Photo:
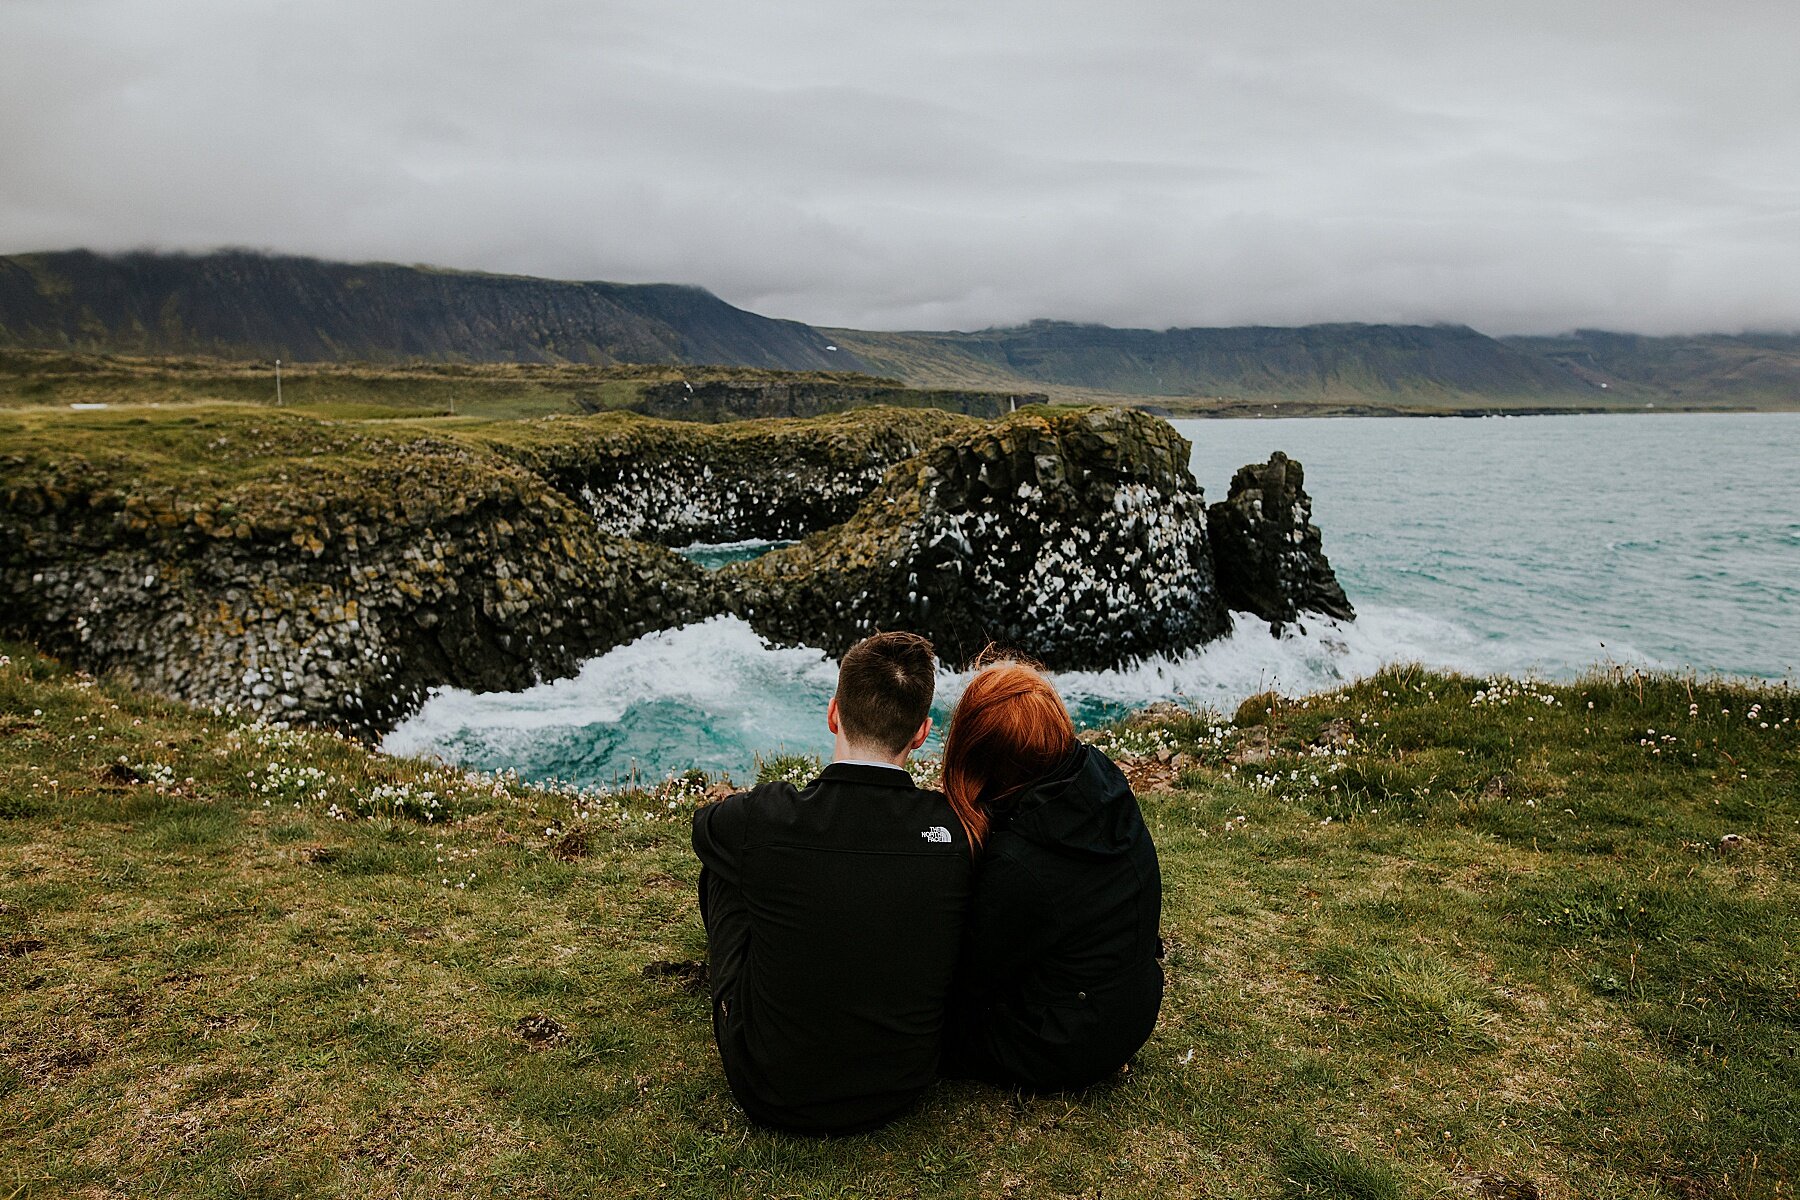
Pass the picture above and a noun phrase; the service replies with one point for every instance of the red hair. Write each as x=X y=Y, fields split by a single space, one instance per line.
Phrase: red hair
x=1009 y=730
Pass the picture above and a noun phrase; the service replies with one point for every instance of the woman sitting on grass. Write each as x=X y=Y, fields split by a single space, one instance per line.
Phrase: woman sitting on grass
x=1059 y=982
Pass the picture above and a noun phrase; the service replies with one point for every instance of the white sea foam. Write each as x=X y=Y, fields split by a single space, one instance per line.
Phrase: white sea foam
x=715 y=694
x=1316 y=655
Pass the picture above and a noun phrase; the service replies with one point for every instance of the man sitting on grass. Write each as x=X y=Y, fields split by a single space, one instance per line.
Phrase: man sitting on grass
x=834 y=913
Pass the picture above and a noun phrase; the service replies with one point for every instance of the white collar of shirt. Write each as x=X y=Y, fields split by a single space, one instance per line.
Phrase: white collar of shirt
x=869 y=762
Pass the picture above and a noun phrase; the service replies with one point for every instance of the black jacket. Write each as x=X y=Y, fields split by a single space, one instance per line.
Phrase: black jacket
x=856 y=889
x=1059 y=982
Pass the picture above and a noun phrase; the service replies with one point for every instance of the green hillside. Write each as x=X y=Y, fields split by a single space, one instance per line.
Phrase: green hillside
x=1761 y=369
x=1350 y=368
x=1427 y=936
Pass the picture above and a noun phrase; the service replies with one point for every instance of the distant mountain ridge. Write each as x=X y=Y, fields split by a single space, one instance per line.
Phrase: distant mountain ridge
x=1398 y=362
x=241 y=305
x=236 y=304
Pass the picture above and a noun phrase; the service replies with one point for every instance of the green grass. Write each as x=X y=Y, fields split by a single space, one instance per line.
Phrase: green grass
x=1312 y=1168
x=355 y=391
x=236 y=470
x=1451 y=937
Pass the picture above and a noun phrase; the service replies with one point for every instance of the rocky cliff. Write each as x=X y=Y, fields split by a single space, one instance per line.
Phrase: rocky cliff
x=302 y=569
x=737 y=400
x=335 y=571
x=675 y=483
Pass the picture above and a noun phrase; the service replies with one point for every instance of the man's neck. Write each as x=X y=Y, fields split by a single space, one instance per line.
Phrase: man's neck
x=844 y=752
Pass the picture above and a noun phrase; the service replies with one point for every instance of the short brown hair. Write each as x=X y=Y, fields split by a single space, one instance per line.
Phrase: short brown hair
x=885 y=685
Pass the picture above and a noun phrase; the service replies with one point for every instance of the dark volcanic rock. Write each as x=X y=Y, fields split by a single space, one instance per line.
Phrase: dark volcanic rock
x=1268 y=550
x=1076 y=537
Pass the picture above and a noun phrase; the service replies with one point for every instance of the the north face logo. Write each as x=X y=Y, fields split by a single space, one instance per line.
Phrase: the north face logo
x=937 y=833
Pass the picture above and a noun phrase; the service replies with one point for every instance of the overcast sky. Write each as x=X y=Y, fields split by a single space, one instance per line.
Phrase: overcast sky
x=1526 y=166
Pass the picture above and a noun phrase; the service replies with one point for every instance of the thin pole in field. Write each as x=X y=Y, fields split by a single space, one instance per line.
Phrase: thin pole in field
x=278 y=383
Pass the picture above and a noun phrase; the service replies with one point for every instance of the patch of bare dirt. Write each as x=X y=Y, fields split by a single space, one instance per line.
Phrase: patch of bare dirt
x=690 y=976
x=1494 y=1186
x=118 y=775
x=573 y=844
x=44 y=1056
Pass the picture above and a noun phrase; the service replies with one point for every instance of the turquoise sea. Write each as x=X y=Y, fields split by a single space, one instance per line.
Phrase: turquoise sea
x=1528 y=545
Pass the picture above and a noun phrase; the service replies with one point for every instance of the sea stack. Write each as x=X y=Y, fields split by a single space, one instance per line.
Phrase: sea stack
x=1270 y=558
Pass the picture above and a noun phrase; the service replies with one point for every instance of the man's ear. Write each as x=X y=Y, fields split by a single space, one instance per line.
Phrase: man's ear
x=831 y=716
x=919 y=737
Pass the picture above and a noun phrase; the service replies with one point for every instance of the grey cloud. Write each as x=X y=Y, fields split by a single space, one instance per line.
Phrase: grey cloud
x=1525 y=167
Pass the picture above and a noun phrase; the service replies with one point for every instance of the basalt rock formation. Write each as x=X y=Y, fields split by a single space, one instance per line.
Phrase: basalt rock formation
x=1076 y=537
x=335 y=572
x=1269 y=553
x=298 y=570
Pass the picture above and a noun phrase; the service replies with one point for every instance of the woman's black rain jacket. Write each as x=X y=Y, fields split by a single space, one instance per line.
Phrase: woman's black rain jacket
x=1060 y=981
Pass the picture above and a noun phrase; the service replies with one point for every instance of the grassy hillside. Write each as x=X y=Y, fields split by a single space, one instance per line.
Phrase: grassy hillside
x=1349 y=369
x=1428 y=936
x=1761 y=369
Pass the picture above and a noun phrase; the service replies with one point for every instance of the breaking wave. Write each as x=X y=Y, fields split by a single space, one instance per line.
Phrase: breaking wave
x=714 y=695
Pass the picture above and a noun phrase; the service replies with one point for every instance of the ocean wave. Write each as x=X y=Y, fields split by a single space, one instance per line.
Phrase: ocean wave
x=718 y=674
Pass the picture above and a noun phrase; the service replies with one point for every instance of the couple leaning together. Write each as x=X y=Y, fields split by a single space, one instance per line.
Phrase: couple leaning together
x=867 y=935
